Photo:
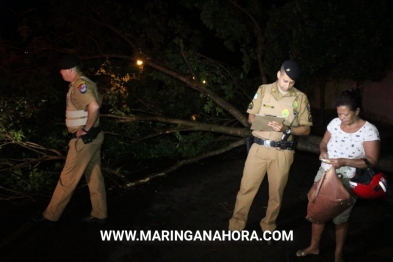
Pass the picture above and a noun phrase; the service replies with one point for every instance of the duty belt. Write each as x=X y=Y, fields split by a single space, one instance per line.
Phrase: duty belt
x=94 y=131
x=271 y=143
x=264 y=142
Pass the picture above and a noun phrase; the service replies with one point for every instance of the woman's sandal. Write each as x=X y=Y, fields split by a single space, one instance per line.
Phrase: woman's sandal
x=303 y=253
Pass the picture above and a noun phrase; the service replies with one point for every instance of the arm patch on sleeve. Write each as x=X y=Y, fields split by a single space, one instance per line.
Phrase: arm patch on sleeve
x=309 y=118
x=82 y=88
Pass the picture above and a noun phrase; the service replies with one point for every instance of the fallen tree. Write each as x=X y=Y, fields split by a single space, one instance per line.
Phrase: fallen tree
x=170 y=86
x=308 y=143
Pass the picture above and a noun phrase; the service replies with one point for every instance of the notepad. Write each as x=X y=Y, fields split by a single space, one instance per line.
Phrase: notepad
x=261 y=121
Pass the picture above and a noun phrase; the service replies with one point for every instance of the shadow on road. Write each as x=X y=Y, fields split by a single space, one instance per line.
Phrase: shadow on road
x=194 y=198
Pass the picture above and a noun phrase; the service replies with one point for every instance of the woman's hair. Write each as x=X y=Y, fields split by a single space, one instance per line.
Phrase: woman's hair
x=350 y=98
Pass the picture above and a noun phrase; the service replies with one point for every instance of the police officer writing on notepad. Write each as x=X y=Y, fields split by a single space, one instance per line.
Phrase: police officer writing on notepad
x=82 y=121
x=272 y=150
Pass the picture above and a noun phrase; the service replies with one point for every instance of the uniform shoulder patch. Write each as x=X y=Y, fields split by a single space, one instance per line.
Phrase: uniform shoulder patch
x=82 y=88
x=309 y=118
x=308 y=106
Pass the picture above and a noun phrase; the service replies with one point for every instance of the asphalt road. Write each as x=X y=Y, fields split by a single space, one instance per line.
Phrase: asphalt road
x=196 y=198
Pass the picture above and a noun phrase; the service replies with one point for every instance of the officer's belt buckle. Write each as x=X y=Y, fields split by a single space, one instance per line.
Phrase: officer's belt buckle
x=268 y=143
x=265 y=142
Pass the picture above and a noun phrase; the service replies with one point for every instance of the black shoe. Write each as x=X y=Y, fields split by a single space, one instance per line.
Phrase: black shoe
x=270 y=242
x=41 y=220
x=91 y=219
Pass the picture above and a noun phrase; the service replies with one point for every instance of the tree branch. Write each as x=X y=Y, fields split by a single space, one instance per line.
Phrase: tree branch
x=260 y=47
x=185 y=162
x=234 y=131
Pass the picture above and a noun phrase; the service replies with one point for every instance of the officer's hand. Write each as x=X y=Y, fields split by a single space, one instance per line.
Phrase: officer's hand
x=80 y=132
x=278 y=127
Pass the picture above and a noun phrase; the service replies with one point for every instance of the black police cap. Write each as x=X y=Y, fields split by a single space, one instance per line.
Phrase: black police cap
x=292 y=69
x=69 y=61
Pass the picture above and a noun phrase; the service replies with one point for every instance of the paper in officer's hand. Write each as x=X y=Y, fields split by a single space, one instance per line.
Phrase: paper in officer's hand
x=261 y=122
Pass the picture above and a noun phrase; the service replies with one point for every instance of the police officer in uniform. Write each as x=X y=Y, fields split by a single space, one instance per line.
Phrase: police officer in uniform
x=272 y=151
x=82 y=121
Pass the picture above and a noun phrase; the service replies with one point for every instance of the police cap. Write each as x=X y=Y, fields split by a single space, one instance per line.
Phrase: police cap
x=292 y=69
x=69 y=61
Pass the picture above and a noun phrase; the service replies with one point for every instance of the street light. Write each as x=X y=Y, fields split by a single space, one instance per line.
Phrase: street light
x=140 y=65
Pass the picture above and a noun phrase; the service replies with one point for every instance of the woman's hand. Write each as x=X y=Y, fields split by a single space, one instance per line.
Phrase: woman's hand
x=323 y=155
x=338 y=162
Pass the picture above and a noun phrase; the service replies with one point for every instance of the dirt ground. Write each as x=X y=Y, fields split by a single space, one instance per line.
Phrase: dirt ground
x=196 y=197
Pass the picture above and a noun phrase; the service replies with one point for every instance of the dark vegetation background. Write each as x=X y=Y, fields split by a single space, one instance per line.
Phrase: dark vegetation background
x=203 y=60
x=202 y=63
x=174 y=145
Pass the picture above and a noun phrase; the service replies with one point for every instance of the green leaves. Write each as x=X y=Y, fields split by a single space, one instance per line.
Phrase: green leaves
x=36 y=180
x=203 y=61
x=193 y=144
x=17 y=136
